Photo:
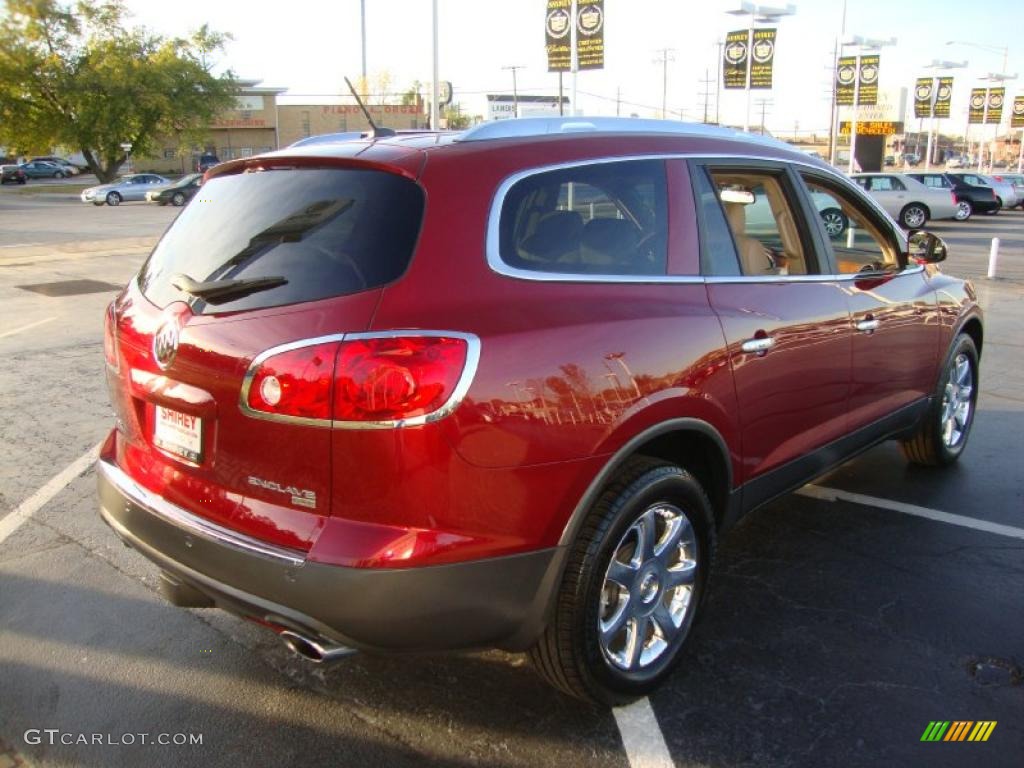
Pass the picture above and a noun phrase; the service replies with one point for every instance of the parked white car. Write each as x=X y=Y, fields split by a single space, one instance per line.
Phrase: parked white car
x=908 y=201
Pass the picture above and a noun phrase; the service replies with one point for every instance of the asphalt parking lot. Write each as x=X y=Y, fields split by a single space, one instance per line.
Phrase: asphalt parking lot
x=838 y=627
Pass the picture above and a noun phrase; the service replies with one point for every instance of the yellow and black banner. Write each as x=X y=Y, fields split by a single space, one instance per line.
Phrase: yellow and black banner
x=976 y=110
x=996 y=97
x=762 y=55
x=872 y=127
x=1017 y=116
x=924 y=90
x=846 y=80
x=590 y=35
x=943 y=97
x=558 y=35
x=868 y=93
x=734 y=59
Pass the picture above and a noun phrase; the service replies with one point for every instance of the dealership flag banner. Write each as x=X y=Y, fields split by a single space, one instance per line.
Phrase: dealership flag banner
x=557 y=35
x=996 y=96
x=868 y=93
x=923 y=97
x=590 y=35
x=734 y=59
x=943 y=97
x=762 y=54
x=976 y=113
x=846 y=78
x=1017 y=116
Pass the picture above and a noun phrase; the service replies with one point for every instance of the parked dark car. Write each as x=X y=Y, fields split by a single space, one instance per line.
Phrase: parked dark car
x=522 y=415
x=179 y=193
x=13 y=174
x=44 y=169
x=206 y=162
x=970 y=198
x=70 y=168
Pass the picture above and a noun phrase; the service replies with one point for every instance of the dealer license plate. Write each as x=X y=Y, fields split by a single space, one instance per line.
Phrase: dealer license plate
x=179 y=433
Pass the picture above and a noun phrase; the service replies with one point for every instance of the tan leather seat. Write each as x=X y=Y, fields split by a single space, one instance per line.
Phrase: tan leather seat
x=753 y=256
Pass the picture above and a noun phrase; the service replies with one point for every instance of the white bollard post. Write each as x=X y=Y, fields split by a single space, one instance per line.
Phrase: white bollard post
x=993 y=257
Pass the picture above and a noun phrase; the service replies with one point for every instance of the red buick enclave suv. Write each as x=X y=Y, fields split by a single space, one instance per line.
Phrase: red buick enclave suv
x=505 y=388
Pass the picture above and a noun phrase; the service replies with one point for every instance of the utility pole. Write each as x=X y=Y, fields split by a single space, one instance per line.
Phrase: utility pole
x=666 y=55
x=515 y=88
x=718 y=83
x=435 y=118
x=618 y=101
x=362 y=25
x=705 y=92
x=764 y=103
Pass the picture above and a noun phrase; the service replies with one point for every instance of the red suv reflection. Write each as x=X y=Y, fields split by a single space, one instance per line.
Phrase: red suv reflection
x=506 y=387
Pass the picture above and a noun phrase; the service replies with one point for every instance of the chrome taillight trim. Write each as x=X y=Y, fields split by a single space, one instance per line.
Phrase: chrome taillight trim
x=446 y=409
x=186 y=521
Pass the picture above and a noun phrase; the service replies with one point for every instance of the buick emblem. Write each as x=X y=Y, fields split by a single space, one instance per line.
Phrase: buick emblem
x=165 y=342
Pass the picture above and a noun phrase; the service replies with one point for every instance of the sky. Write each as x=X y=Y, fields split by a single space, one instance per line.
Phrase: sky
x=307 y=46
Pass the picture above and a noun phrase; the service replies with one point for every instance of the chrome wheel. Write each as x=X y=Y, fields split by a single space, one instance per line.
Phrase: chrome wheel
x=648 y=588
x=914 y=217
x=835 y=222
x=963 y=211
x=957 y=401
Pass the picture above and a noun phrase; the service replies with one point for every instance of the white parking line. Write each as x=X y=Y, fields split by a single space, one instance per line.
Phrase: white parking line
x=641 y=736
x=20 y=245
x=14 y=331
x=834 y=494
x=33 y=503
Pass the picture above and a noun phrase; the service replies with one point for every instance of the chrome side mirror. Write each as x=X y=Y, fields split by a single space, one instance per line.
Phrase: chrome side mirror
x=926 y=248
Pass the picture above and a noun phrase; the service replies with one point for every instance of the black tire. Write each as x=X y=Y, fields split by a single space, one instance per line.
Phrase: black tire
x=914 y=216
x=59 y=175
x=98 y=203
x=835 y=221
x=113 y=198
x=929 y=446
x=569 y=654
x=964 y=210
x=178 y=199
x=22 y=181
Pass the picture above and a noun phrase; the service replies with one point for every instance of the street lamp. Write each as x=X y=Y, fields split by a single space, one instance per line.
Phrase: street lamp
x=865 y=45
x=940 y=65
x=760 y=14
x=1005 y=50
x=515 y=89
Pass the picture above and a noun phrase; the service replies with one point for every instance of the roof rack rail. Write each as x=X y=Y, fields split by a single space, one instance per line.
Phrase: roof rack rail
x=524 y=127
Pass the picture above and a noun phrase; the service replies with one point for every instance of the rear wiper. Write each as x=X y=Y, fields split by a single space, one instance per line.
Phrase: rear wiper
x=215 y=291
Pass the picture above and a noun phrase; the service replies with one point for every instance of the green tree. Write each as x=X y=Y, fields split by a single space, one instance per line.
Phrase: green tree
x=78 y=76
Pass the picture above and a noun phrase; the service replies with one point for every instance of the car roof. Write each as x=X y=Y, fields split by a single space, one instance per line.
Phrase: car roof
x=583 y=137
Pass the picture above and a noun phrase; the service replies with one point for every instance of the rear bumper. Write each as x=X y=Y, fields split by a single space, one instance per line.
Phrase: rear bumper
x=497 y=602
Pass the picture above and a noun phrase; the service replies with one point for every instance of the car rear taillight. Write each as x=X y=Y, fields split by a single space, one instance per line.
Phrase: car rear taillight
x=110 y=337
x=396 y=377
x=952 y=196
x=294 y=383
x=392 y=379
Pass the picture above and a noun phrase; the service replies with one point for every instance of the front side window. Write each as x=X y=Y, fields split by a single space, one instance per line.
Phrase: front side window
x=762 y=223
x=604 y=218
x=858 y=242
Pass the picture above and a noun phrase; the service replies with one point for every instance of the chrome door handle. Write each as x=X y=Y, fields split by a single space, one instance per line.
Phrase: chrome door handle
x=760 y=345
x=867 y=326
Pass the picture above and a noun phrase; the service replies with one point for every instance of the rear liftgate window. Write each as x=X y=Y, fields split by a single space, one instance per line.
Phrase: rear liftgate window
x=272 y=237
x=605 y=219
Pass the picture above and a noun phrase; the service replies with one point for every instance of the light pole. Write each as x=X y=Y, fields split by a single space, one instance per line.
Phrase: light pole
x=990 y=48
x=864 y=45
x=435 y=88
x=515 y=88
x=996 y=77
x=940 y=66
x=760 y=14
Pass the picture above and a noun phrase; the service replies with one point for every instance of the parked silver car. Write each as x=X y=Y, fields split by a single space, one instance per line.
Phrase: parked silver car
x=1017 y=180
x=908 y=201
x=131 y=187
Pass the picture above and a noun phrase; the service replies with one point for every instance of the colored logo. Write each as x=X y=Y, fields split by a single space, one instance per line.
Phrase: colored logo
x=958 y=730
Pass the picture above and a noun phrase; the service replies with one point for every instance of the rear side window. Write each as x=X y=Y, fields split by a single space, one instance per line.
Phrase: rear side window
x=605 y=218
x=327 y=232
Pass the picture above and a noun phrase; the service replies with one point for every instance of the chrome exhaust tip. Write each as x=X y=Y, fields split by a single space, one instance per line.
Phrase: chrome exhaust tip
x=317 y=651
